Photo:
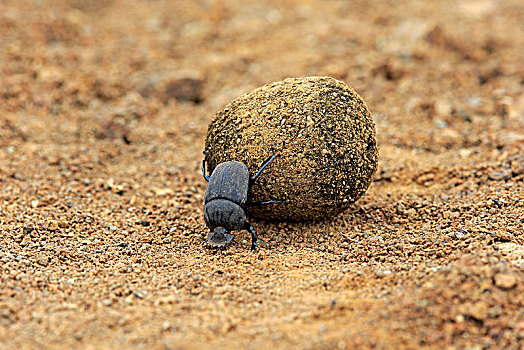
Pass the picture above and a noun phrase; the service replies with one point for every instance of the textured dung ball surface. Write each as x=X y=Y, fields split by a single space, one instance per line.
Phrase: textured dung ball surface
x=324 y=138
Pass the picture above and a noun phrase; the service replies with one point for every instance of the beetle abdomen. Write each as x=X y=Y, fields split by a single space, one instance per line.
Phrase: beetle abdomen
x=224 y=213
x=229 y=180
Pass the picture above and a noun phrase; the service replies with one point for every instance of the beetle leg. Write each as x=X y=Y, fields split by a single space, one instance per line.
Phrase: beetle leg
x=254 y=238
x=203 y=167
x=255 y=204
x=269 y=160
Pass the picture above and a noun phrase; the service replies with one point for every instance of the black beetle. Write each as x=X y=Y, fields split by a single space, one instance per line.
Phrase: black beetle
x=226 y=195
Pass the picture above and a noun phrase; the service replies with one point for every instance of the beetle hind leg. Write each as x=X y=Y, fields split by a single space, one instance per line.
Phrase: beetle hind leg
x=256 y=204
x=254 y=237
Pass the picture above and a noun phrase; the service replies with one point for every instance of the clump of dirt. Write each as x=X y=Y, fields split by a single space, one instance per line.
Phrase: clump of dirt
x=322 y=133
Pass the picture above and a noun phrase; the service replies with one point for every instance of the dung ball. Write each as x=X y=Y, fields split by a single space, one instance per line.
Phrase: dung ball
x=322 y=134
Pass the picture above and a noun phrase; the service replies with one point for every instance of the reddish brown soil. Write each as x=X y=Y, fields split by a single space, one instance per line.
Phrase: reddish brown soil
x=104 y=106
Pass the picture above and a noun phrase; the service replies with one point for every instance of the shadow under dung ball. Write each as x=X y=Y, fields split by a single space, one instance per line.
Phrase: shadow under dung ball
x=324 y=138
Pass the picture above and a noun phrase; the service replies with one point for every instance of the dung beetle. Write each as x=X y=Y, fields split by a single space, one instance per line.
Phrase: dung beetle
x=225 y=198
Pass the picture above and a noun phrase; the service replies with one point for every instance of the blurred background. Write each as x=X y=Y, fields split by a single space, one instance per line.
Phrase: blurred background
x=423 y=67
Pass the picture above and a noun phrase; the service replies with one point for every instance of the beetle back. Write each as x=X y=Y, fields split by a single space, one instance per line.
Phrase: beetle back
x=229 y=180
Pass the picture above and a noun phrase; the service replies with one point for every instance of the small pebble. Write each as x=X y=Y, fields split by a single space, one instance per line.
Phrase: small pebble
x=505 y=280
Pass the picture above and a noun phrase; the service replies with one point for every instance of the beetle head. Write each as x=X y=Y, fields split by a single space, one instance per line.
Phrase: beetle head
x=219 y=237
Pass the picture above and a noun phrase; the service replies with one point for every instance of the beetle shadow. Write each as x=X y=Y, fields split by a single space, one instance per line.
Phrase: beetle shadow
x=319 y=235
x=314 y=234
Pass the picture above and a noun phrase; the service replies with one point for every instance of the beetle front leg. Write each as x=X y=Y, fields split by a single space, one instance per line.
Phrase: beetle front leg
x=254 y=237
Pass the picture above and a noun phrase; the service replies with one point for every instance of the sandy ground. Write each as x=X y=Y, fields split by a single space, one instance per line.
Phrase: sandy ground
x=104 y=107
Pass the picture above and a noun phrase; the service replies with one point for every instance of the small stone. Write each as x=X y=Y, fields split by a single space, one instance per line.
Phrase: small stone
x=180 y=85
x=107 y=302
x=500 y=175
x=52 y=226
x=118 y=189
x=505 y=280
x=478 y=310
x=460 y=233
x=441 y=124
x=162 y=191
x=54 y=161
x=477 y=8
x=111 y=130
x=185 y=89
x=43 y=260
x=517 y=168
x=411 y=212
x=196 y=290
x=382 y=273
x=474 y=101
x=170 y=299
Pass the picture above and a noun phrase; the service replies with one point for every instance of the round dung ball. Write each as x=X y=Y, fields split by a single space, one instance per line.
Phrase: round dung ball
x=322 y=134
